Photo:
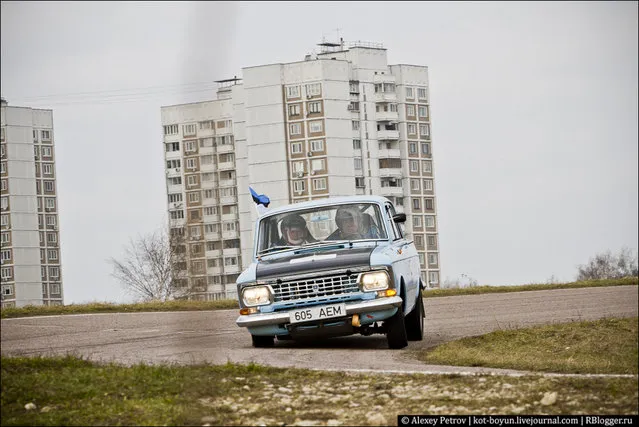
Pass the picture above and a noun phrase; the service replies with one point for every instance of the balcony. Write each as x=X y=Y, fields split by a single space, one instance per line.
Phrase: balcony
x=226 y=148
x=209 y=167
x=230 y=217
x=227 y=235
x=215 y=253
x=231 y=269
x=384 y=78
x=390 y=172
x=226 y=166
x=227 y=183
x=387 y=134
x=386 y=97
x=387 y=116
x=214 y=270
x=389 y=153
x=231 y=252
x=228 y=200
x=173 y=172
x=392 y=191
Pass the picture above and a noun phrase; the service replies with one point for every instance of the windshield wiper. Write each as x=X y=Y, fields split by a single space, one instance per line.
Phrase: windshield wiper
x=276 y=248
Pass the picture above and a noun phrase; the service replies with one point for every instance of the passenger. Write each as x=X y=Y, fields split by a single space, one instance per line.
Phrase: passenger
x=294 y=231
x=349 y=223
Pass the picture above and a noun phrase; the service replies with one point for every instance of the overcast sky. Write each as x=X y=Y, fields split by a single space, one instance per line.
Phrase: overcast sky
x=534 y=116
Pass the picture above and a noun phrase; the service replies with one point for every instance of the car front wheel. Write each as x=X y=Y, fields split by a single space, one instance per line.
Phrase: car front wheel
x=396 y=330
x=415 y=320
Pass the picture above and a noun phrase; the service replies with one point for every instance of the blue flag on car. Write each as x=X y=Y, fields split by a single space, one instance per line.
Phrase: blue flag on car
x=260 y=199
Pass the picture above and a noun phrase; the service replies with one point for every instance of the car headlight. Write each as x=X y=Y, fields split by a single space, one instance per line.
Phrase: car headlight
x=374 y=281
x=256 y=295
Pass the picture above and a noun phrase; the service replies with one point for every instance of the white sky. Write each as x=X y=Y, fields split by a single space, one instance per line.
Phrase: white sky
x=534 y=116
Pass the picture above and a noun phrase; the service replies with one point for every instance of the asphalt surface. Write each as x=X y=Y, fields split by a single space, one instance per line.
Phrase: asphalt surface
x=213 y=337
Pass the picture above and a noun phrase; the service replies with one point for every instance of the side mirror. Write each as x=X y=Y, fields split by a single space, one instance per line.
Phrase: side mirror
x=399 y=218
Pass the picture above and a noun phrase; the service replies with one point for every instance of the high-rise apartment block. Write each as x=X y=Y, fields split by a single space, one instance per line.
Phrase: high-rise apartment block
x=340 y=122
x=30 y=255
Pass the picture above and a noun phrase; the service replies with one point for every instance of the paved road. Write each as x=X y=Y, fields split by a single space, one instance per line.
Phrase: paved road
x=212 y=336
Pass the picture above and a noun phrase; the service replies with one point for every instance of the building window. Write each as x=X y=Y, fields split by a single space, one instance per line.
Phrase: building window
x=414 y=184
x=4 y=219
x=423 y=111
x=315 y=126
x=419 y=240
x=230 y=226
x=175 y=180
x=421 y=259
x=299 y=186
x=171 y=130
x=6 y=272
x=46 y=151
x=179 y=214
x=195 y=214
x=416 y=204
x=52 y=254
x=317 y=145
x=4 y=238
x=191 y=180
x=417 y=221
x=224 y=124
x=431 y=240
x=46 y=135
x=315 y=107
x=189 y=147
x=226 y=158
x=189 y=130
x=51 y=220
x=314 y=89
x=429 y=221
x=55 y=288
x=5 y=255
x=412 y=148
x=359 y=182
x=358 y=163
x=210 y=211
x=206 y=160
x=194 y=197
x=412 y=129
x=319 y=184
x=357 y=144
x=428 y=204
x=428 y=185
x=175 y=197
x=424 y=130
x=295 y=129
x=298 y=167
x=206 y=125
x=173 y=164
x=292 y=92
x=425 y=148
x=410 y=93
x=172 y=146
x=410 y=110
x=3 y=167
x=52 y=237
x=294 y=110
x=48 y=186
x=318 y=165
x=421 y=93
x=191 y=163
x=296 y=147
x=49 y=203
x=4 y=202
x=427 y=166
x=432 y=259
x=414 y=166
x=355 y=124
x=4 y=185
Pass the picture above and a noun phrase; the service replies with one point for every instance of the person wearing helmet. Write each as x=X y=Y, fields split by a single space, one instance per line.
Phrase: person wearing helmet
x=294 y=231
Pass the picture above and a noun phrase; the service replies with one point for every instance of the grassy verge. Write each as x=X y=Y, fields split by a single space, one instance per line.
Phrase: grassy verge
x=532 y=287
x=230 y=304
x=607 y=346
x=71 y=391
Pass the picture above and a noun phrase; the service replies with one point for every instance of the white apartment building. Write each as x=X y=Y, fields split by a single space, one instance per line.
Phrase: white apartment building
x=338 y=123
x=31 y=267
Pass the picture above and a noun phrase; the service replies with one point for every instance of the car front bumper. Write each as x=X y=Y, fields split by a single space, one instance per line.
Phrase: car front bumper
x=283 y=317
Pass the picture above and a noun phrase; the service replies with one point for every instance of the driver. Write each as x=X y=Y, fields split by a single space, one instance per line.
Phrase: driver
x=349 y=224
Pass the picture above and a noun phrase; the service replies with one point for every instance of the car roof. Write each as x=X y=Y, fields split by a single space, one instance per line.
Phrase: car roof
x=326 y=202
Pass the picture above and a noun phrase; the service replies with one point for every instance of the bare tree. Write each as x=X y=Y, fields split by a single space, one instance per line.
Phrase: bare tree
x=154 y=266
x=608 y=266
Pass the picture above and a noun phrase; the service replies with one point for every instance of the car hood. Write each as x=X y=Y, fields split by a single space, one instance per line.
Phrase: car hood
x=312 y=262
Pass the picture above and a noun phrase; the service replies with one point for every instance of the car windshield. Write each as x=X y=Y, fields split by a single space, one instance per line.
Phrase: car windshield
x=351 y=222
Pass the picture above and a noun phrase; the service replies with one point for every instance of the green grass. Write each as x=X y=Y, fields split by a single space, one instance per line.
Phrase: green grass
x=72 y=391
x=607 y=346
x=183 y=305
x=531 y=287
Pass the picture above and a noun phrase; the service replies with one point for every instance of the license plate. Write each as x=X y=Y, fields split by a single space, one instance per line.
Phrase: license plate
x=318 y=313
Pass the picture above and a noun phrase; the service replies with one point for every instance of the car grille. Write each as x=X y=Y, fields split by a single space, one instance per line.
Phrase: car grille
x=316 y=287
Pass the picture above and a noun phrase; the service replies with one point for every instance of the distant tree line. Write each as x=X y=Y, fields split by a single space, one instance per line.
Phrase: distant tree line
x=608 y=266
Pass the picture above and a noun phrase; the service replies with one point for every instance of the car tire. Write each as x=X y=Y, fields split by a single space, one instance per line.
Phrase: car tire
x=396 y=330
x=262 y=341
x=415 y=320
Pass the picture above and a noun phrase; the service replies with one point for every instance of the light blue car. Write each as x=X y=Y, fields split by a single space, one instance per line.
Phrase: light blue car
x=332 y=267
